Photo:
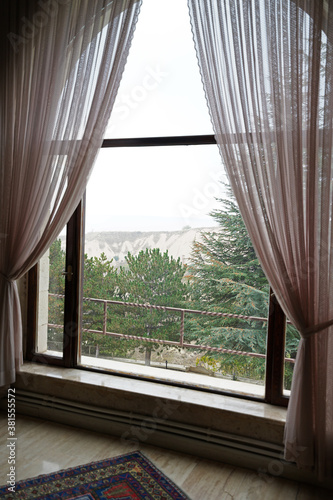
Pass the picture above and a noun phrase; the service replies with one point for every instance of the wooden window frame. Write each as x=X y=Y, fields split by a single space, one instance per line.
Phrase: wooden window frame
x=276 y=329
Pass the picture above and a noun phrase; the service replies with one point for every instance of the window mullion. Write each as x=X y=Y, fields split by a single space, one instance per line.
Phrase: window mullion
x=181 y=140
x=72 y=312
x=276 y=335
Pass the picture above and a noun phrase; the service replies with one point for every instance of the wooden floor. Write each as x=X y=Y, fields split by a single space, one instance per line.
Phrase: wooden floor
x=44 y=447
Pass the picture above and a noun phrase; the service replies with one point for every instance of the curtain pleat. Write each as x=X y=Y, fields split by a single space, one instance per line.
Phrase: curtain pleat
x=61 y=64
x=266 y=67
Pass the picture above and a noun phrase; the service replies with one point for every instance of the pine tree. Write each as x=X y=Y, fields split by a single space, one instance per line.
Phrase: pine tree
x=100 y=282
x=57 y=259
x=148 y=278
x=226 y=276
x=153 y=278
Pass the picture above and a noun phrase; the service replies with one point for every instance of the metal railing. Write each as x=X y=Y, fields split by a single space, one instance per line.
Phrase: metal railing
x=182 y=312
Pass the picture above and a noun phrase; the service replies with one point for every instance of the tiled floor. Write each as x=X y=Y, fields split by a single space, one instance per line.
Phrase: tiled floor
x=44 y=447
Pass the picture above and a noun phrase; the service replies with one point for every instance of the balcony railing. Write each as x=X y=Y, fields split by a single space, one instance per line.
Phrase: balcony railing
x=182 y=312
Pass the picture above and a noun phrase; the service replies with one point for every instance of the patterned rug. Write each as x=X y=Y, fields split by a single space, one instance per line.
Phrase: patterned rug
x=127 y=477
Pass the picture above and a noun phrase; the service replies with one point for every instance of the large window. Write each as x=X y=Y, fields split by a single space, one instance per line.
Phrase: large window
x=155 y=275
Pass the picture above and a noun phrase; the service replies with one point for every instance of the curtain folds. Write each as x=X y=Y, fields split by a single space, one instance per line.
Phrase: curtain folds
x=267 y=69
x=61 y=66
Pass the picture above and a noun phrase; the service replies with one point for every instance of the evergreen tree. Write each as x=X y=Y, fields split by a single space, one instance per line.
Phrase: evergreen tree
x=100 y=282
x=148 y=278
x=153 y=278
x=57 y=258
x=226 y=276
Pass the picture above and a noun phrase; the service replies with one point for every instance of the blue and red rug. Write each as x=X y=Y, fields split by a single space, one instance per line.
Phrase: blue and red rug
x=127 y=477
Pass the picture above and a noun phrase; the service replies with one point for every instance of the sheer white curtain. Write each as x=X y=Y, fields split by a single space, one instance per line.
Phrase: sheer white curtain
x=267 y=68
x=61 y=63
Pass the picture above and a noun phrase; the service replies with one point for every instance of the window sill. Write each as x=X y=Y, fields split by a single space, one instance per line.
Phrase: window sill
x=188 y=379
x=216 y=412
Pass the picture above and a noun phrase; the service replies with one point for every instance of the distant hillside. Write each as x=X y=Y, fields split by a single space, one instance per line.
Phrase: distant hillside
x=117 y=244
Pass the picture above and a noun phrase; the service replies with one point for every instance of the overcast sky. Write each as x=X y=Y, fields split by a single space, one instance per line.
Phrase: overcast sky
x=160 y=94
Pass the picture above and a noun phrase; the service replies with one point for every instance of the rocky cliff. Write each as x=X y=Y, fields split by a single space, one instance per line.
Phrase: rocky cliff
x=116 y=244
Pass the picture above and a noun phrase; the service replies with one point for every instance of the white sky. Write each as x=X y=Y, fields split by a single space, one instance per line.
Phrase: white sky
x=160 y=94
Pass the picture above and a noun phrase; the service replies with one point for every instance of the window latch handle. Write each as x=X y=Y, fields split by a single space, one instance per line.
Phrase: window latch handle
x=68 y=273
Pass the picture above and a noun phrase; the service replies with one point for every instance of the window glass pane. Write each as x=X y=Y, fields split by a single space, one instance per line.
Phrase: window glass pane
x=164 y=287
x=161 y=92
x=292 y=340
x=154 y=189
x=51 y=299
